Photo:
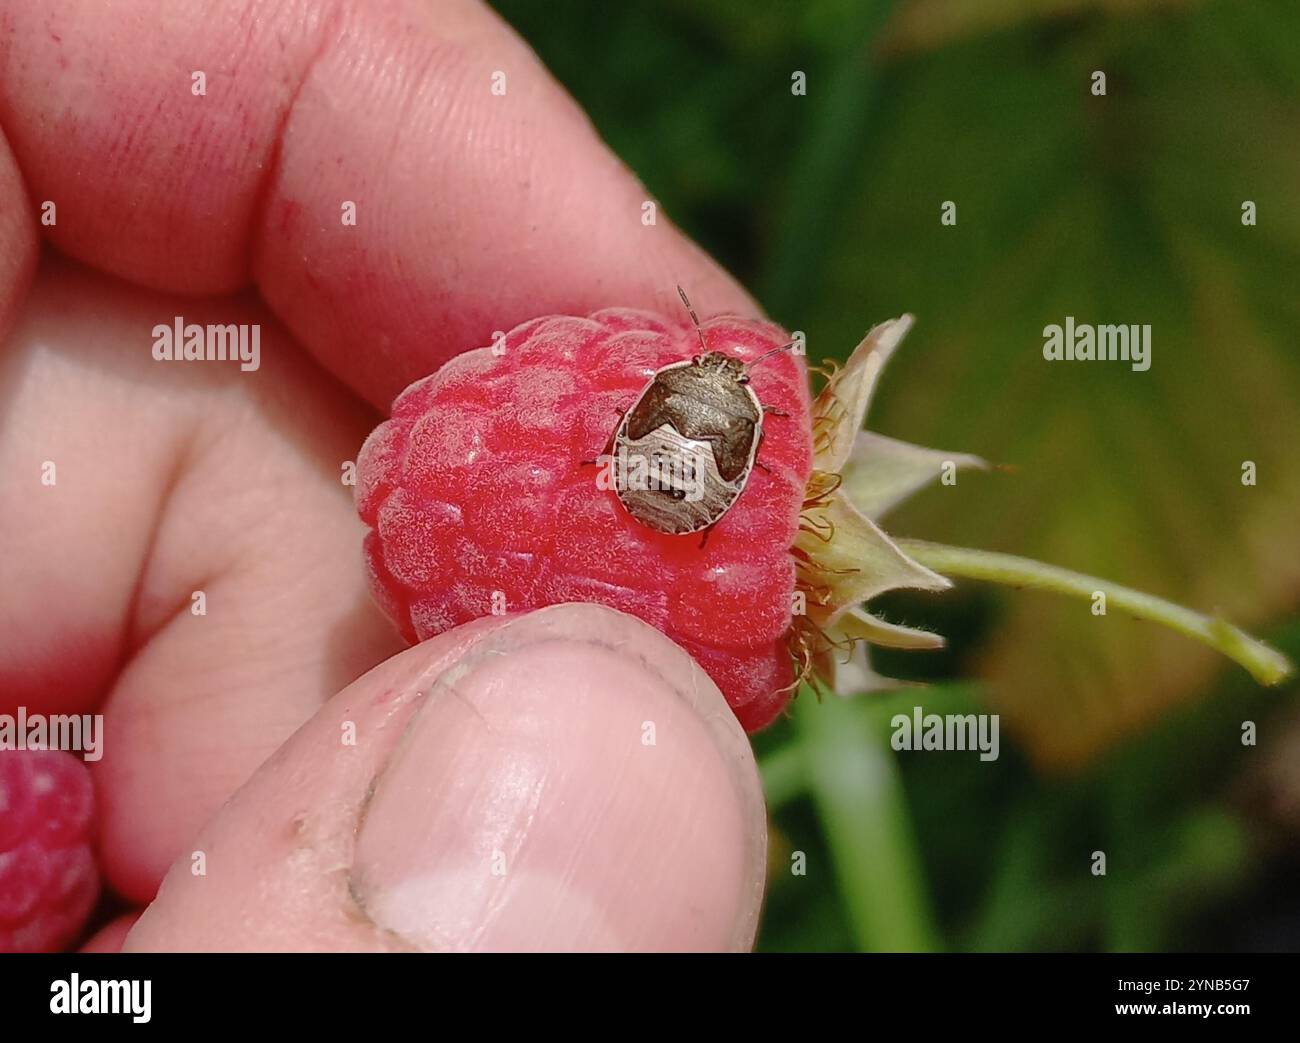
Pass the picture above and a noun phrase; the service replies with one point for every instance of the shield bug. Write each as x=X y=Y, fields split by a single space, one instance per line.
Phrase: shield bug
x=682 y=454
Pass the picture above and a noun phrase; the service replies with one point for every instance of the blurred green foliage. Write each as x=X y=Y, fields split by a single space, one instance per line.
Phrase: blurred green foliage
x=1124 y=208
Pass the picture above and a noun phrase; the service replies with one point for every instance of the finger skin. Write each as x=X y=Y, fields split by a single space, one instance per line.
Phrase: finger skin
x=110 y=937
x=173 y=479
x=497 y=793
x=18 y=239
x=474 y=210
x=97 y=100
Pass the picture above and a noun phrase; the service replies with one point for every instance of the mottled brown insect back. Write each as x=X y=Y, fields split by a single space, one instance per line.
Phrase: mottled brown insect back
x=695 y=432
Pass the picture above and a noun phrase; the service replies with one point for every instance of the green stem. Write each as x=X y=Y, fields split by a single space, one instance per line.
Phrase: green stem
x=1267 y=665
x=854 y=782
x=785 y=776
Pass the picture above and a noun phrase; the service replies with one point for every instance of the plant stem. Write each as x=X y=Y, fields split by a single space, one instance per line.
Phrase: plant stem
x=1267 y=665
x=785 y=777
x=854 y=782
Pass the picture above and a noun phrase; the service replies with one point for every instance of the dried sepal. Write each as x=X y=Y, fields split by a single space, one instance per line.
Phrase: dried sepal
x=860 y=625
x=842 y=668
x=842 y=557
x=881 y=472
x=840 y=409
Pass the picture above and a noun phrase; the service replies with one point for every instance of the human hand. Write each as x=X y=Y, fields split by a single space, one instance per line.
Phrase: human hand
x=526 y=811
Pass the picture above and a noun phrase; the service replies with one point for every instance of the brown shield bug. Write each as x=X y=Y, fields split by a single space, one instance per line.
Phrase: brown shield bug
x=682 y=454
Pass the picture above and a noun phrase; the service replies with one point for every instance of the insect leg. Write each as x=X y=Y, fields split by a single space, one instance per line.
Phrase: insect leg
x=758 y=449
x=609 y=446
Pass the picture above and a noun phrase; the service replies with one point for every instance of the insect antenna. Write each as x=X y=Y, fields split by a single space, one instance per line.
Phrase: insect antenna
x=695 y=319
x=769 y=354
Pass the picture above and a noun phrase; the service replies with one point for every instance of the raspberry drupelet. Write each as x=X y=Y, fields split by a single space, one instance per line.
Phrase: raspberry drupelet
x=48 y=878
x=481 y=495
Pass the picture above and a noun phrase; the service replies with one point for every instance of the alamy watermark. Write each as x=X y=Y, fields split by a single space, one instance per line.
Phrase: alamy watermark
x=77 y=995
x=191 y=342
x=1084 y=342
x=951 y=731
x=678 y=473
x=77 y=733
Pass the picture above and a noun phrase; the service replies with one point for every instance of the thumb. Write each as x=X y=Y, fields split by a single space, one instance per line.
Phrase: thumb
x=566 y=779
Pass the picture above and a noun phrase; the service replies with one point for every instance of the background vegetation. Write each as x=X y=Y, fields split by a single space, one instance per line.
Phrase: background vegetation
x=1121 y=209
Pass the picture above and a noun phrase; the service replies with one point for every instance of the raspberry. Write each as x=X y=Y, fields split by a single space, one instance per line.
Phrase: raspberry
x=48 y=879
x=481 y=496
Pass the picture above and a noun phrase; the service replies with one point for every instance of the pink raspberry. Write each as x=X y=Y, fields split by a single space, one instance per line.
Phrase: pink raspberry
x=481 y=493
x=48 y=878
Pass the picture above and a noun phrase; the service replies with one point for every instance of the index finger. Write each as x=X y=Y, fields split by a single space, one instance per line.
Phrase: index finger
x=399 y=179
